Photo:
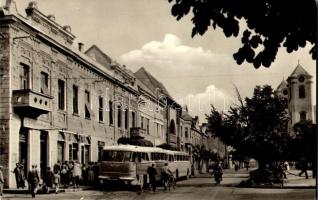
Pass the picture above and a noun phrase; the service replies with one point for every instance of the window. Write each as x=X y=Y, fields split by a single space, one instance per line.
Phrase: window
x=87 y=105
x=147 y=120
x=303 y=115
x=141 y=122
x=24 y=76
x=75 y=99
x=110 y=104
x=126 y=118
x=44 y=83
x=60 y=151
x=181 y=132
x=133 y=119
x=186 y=132
x=302 y=93
x=61 y=94
x=101 y=109
x=119 y=116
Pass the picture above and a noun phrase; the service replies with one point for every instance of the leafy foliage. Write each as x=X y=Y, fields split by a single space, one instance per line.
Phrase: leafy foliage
x=257 y=128
x=270 y=25
x=304 y=141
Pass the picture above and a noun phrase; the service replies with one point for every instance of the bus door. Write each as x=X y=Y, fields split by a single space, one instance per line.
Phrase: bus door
x=142 y=161
x=142 y=164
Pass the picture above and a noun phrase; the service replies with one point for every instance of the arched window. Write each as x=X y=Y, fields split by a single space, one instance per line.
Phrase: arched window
x=302 y=92
x=172 y=127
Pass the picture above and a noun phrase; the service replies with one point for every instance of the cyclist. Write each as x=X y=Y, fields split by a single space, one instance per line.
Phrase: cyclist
x=165 y=174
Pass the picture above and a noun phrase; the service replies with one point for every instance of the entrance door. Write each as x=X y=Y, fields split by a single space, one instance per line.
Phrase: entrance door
x=23 y=148
x=43 y=151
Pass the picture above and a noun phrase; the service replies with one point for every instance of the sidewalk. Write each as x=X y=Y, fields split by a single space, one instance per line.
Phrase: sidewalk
x=293 y=181
x=232 y=178
x=52 y=190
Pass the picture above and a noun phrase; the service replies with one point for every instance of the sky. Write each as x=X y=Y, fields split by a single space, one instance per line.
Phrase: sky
x=197 y=71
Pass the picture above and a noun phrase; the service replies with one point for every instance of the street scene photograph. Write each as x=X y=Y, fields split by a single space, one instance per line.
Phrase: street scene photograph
x=158 y=99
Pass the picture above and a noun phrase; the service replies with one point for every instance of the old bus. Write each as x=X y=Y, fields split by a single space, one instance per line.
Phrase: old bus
x=129 y=164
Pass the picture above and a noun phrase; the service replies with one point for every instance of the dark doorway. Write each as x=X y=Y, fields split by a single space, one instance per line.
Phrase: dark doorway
x=23 y=148
x=43 y=151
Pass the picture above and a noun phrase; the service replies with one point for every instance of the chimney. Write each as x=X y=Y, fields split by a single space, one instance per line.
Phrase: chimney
x=80 y=46
x=51 y=17
x=67 y=28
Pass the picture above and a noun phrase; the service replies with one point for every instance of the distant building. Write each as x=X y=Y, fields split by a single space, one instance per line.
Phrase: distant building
x=298 y=92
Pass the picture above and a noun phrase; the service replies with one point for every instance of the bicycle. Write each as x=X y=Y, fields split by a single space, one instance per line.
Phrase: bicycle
x=171 y=182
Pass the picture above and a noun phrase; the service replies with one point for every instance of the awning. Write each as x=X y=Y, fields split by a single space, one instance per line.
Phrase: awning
x=168 y=147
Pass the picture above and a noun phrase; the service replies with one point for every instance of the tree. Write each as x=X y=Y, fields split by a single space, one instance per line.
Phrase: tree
x=270 y=24
x=257 y=128
x=303 y=144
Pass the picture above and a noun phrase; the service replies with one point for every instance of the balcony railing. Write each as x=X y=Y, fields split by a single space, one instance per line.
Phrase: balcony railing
x=30 y=103
x=137 y=132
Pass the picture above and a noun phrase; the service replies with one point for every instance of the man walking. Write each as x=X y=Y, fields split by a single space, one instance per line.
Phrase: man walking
x=33 y=178
x=152 y=176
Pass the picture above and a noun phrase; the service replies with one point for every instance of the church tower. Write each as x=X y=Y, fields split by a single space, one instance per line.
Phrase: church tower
x=299 y=96
x=282 y=90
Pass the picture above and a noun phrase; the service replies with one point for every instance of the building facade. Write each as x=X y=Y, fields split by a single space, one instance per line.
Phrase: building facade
x=297 y=92
x=57 y=102
x=60 y=103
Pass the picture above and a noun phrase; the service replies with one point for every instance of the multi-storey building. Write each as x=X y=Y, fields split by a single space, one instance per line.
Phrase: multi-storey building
x=57 y=103
x=60 y=103
x=166 y=115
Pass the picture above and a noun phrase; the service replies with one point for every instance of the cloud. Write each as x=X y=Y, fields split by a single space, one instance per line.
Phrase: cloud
x=186 y=71
x=200 y=103
x=170 y=54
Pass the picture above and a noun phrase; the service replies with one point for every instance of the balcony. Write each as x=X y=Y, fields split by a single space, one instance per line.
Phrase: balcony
x=137 y=132
x=173 y=139
x=31 y=104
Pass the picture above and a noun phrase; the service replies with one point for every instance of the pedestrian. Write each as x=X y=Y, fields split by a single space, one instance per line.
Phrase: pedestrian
x=152 y=176
x=57 y=181
x=57 y=167
x=33 y=178
x=77 y=173
x=48 y=179
x=90 y=174
x=1 y=182
x=64 y=176
x=247 y=164
x=96 y=172
x=70 y=172
x=236 y=166
x=303 y=167
x=18 y=175
x=84 y=174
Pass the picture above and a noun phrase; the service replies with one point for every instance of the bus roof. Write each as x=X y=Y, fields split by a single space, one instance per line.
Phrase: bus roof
x=134 y=148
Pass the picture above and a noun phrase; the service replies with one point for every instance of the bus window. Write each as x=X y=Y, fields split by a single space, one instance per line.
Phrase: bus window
x=153 y=156
x=136 y=157
x=144 y=156
x=117 y=156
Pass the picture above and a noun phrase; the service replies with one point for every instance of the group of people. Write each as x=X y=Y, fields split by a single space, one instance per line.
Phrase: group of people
x=166 y=174
x=68 y=173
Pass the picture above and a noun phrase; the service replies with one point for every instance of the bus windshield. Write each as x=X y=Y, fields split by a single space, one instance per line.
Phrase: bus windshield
x=117 y=156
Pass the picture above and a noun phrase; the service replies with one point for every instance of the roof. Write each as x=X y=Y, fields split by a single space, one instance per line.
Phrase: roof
x=99 y=56
x=186 y=116
x=299 y=70
x=127 y=147
x=282 y=85
x=151 y=82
